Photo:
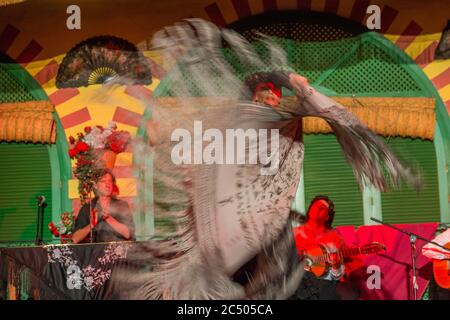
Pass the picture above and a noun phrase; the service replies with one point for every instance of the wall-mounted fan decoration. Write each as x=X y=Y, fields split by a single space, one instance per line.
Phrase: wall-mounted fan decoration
x=101 y=59
x=443 y=49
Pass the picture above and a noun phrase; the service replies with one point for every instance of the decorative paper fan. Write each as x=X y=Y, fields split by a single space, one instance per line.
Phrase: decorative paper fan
x=8 y=2
x=100 y=59
x=443 y=49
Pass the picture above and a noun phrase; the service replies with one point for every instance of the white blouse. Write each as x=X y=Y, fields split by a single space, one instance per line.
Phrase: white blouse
x=434 y=252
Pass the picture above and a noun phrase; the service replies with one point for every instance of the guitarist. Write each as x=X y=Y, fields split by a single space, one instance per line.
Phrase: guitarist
x=434 y=252
x=438 y=291
x=318 y=229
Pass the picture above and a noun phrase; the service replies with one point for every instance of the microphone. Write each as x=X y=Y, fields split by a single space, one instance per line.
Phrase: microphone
x=443 y=226
x=40 y=200
x=376 y=220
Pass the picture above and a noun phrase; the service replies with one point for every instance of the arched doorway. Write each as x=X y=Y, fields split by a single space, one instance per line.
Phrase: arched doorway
x=342 y=59
x=29 y=170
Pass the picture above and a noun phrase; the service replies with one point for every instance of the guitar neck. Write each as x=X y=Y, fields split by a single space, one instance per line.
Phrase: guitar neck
x=346 y=252
x=350 y=252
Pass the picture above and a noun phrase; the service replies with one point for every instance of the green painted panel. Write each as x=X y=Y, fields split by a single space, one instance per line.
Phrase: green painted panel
x=327 y=172
x=12 y=90
x=405 y=205
x=372 y=70
x=25 y=174
x=364 y=65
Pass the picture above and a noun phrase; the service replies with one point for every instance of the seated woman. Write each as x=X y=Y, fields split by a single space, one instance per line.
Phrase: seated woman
x=110 y=218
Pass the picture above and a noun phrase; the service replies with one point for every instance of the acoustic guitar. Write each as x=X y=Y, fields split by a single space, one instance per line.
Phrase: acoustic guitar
x=441 y=271
x=316 y=257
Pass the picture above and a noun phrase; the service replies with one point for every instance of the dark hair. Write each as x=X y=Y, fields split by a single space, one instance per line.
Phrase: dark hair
x=102 y=172
x=252 y=81
x=331 y=212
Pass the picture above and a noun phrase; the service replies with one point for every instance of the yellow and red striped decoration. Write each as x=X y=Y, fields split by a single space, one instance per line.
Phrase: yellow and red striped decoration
x=77 y=107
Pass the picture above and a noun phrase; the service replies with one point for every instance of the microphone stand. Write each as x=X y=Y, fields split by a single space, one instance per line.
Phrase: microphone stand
x=412 y=239
x=37 y=240
x=40 y=221
x=91 y=232
x=43 y=206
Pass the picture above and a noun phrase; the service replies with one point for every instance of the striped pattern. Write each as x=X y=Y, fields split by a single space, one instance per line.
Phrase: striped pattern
x=358 y=12
x=75 y=118
x=408 y=35
x=219 y=13
x=242 y=8
x=304 y=5
x=71 y=106
x=439 y=73
x=47 y=73
x=405 y=205
x=139 y=92
x=215 y=15
x=426 y=55
x=29 y=53
x=270 y=5
x=125 y=116
x=26 y=174
x=388 y=15
x=62 y=95
x=7 y=37
x=331 y=6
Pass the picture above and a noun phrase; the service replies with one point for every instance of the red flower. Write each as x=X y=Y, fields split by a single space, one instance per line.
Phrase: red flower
x=82 y=146
x=101 y=128
x=71 y=140
x=87 y=129
x=73 y=153
x=81 y=162
x=53 y=229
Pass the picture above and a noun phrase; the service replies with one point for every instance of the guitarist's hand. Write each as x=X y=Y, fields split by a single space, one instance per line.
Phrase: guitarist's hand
x=335 y=260
x=93 y=219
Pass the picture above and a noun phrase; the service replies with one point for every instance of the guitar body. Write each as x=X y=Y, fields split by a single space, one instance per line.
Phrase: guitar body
x=315 y=257
x=319 y=269
x=441 y=271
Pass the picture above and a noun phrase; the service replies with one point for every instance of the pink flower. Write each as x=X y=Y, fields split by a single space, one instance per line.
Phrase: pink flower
x=118 y=141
